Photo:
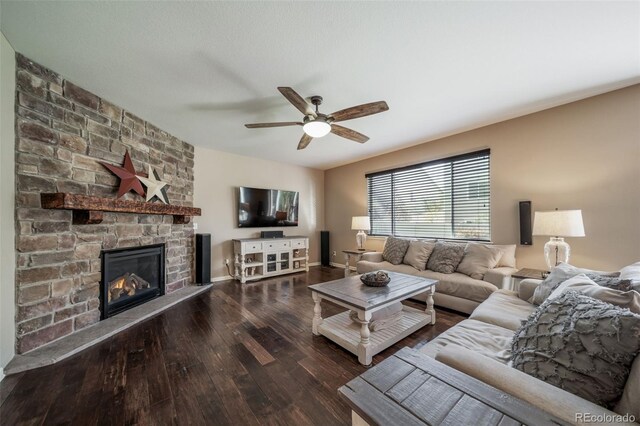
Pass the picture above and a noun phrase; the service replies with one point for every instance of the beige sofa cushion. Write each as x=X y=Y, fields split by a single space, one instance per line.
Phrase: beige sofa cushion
x=505 y=309
x=478 y=258
x=418 y=254
x=508 y=257
x=455 y=284
x=629 y=403
x=482 y=338
x=460 y=285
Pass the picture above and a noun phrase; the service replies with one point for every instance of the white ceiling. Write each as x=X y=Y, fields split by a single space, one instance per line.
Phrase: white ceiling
x=202 y=70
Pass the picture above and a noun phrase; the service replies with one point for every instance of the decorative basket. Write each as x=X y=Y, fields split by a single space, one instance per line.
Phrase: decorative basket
x=375 y=279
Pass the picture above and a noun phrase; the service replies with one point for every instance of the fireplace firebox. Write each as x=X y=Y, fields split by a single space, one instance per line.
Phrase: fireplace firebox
x=130 y=277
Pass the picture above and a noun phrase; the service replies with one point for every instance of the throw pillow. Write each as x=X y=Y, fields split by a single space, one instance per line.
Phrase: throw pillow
x=478 y=258
x=445 y=257
x=558 y=275
x=418 y=254
x=508 y=258
x=579 y=344
x=611 y=282
x=584 y=285
x=632 y=272
x=395 y=249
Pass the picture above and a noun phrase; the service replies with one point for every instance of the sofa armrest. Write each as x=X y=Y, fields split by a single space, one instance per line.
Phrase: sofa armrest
x=500 y=277
x=375 y=256
x=527 y=287
x=549 y=398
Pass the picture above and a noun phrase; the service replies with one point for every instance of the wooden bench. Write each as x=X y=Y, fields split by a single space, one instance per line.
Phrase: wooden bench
x=410 y=388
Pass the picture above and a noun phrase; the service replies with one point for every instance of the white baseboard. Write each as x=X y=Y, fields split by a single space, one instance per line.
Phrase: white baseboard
x=314 y=264
x=1 y=374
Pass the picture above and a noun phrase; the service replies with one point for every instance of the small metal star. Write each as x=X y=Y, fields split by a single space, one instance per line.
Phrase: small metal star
x=155 y=187
x=127 y=174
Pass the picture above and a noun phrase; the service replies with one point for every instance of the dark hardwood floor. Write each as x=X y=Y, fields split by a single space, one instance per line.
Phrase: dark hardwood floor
x=237 y=354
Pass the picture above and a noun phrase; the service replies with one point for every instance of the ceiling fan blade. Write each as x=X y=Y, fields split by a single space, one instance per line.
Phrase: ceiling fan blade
x=360 y=111
x=280 y=124
x=305 y=141
x=348 y=133
x=297 y=100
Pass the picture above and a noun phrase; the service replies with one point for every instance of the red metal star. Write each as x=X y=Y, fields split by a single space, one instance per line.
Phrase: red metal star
x=127 y=174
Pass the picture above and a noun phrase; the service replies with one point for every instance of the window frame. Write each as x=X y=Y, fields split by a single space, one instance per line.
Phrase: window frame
x=446 y=160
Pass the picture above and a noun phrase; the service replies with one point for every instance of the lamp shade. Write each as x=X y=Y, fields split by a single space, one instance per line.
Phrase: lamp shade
x=361 y=223
x=559 y=223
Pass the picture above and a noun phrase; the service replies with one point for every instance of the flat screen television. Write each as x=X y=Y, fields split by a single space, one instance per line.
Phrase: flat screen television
x=262 y=208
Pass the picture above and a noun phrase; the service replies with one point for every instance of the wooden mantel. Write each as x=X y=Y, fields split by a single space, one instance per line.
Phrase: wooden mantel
x=88 y=209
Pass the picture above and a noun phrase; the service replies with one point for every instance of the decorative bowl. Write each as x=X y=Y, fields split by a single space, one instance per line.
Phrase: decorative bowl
x=375 y=279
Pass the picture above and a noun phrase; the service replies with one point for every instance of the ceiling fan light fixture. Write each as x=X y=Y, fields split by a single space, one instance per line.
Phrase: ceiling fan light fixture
x=317 y=128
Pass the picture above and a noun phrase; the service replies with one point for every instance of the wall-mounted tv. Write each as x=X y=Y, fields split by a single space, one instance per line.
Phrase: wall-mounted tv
x=261 y=208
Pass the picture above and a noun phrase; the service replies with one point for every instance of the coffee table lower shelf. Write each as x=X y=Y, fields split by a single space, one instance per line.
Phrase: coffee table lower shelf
x=346 y=333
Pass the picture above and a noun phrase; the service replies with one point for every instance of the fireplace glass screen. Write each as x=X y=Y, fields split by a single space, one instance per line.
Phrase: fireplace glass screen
x=130 y=277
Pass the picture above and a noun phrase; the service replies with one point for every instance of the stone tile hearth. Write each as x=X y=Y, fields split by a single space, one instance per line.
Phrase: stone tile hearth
x=63 y=131
x=70 y=345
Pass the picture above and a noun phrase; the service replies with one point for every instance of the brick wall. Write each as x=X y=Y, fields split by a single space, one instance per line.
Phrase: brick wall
x=62 y=130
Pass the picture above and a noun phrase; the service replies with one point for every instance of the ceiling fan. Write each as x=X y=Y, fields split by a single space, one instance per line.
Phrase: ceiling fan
x=316 y=125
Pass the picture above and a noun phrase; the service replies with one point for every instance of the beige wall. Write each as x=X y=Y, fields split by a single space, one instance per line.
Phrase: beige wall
x=584 y=155
x=217 y=177
x=7 y=179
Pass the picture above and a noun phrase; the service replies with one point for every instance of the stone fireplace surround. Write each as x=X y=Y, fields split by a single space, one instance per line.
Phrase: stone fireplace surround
x=62 y=131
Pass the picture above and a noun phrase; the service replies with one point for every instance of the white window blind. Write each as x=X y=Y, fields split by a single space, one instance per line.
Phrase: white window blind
x=447 y=198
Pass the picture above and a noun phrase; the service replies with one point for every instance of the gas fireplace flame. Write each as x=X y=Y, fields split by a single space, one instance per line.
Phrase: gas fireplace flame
x=126 y=286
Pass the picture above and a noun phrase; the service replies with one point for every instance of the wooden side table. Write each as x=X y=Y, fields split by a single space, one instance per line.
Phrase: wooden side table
x=526 y=273
x=347 y=258
x=410 y=388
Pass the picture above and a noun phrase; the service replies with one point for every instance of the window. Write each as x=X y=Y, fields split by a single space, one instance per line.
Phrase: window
x=447 y=198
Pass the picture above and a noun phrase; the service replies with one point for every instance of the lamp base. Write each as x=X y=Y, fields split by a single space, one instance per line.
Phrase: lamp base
x=556 y=250
x=361 y=237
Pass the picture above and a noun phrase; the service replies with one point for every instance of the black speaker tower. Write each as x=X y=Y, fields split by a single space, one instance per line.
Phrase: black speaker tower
x=203 y=259
x=325 y=258
x=526 y=238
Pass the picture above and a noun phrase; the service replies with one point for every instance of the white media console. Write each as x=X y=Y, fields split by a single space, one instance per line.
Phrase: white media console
x=257 y=258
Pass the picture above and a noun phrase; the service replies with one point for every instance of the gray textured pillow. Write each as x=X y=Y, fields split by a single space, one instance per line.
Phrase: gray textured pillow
x=557 y=276
x=395 y=249
x=445 y=257
x=579 y=344
x=583 y=285
x=610 y=282
x=478 y=258
x=418 y=254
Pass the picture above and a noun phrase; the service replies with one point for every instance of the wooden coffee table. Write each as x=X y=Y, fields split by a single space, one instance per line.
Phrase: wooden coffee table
x=353 y=295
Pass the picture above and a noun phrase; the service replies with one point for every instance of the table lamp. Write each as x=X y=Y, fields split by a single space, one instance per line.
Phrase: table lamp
x=558 y=224
x=361 y=224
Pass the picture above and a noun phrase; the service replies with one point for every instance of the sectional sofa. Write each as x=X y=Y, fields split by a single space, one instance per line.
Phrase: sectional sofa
x=456 y=290
x=480 y=346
